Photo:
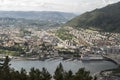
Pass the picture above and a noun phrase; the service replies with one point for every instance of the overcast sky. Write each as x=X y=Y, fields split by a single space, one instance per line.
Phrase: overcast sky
x=75 y=6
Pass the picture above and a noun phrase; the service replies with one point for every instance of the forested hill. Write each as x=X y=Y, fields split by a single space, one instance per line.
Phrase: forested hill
x=39 y=15
x=42 y=19
x=105 y=19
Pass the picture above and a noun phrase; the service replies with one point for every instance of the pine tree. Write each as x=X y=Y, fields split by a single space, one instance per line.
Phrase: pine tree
x=81 y=74
x=59 y=73
x=5 y=69
x=35 y=74
x=69 y=75
x=45 y=75
x=23 y=74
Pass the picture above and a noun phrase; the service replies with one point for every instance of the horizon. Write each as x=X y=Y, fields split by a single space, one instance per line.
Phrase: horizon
x=77 y=7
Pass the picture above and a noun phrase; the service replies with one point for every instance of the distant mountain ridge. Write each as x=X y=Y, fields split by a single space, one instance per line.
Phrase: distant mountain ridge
x=40 y=15
x=104 y=19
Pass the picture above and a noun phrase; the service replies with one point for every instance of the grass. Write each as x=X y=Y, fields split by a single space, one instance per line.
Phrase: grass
x=7 y=52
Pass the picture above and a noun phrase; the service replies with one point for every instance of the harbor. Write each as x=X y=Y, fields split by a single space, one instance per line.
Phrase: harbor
x=50 y=65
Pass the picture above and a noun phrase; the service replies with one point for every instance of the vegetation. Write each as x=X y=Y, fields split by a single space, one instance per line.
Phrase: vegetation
x=13 y=53
x=41 y=19
x=6 y=73
x=21 y=22
x=104 y=19
x=13 y=50
x=39 y=15
x=64 y=34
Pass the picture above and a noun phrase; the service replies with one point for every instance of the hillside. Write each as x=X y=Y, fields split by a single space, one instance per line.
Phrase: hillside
x=104 y=19
x=39 y=15
x=21 y=22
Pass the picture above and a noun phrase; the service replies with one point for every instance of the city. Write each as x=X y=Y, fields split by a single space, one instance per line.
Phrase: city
x=33 y=44
x=60 y=40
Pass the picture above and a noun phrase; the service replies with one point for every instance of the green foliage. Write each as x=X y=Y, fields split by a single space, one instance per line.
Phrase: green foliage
x=105 y=19
x=35 y=74
x=69 y=75
x=13 y=50
x=5 y=70
x=59 y=73
x=45 y=74
x=82 y=75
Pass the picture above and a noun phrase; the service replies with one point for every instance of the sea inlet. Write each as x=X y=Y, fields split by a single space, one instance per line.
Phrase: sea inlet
x=50 y=65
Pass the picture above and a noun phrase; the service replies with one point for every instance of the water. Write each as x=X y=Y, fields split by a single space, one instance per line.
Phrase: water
x=92 y=66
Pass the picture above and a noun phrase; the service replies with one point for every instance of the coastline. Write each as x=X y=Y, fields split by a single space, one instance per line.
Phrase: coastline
x=62 y=58
x=110 y=59
x=84 y=59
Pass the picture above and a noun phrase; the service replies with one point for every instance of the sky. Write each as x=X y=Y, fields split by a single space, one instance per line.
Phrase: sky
x=74 y=6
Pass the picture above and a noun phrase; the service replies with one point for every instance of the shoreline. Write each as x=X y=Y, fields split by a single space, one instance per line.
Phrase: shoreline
x=86 y=59
x=55 y=58
x=110 y=59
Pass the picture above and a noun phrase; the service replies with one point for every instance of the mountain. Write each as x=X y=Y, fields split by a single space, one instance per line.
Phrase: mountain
x=104 y=19
x=21 y=22
x=39 y=15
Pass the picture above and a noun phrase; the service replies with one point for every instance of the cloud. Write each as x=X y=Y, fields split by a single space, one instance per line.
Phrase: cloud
x=76 y=6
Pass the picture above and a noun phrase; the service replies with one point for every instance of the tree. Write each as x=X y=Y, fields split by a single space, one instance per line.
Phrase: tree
x=95 y=78
x=69 y=75
x=59 y=73
x=35 y=74
x=5 y=69
x=45 y=75
x=15 y=75
x=81 y=74
x=6 y=73
x=23 y=74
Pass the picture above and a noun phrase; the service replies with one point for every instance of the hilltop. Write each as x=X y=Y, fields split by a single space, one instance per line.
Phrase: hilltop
x=105 y=19
x=39 y=15
x=42 y=19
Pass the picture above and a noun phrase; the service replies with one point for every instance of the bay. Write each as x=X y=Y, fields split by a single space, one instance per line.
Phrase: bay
x=92 y=66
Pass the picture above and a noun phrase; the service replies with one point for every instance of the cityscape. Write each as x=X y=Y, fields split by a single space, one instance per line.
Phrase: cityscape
x=60 y=45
